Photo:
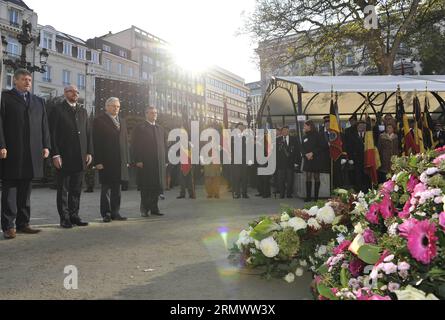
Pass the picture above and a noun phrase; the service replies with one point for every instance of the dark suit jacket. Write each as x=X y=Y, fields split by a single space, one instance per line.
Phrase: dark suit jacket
x=111 y=149
x=288 y=155
x=24 y=132
x=70 y=136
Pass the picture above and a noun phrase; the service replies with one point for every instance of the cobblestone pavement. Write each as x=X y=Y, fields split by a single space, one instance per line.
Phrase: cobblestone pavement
x=180 y=256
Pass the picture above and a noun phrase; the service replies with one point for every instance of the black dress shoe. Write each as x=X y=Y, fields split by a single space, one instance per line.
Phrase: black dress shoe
x=245 y=196
x=119 y=218
x=158 y=214
x=181 y=197
x=237 y=197
x=66 y=224
x=259 y=195
x=107 y=218
x=76 y=221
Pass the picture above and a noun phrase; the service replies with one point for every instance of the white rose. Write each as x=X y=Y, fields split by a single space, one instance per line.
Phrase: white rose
x=303 y=263
x=322 y=250
x=257 y=244
x=299 y=272
x=411 y=293
x=290 y=278
x=269 y=247
x=326 y=215
x=313 y=211
x=285 y=217
x=297 y=224
x=313 y=223
x=358 y=229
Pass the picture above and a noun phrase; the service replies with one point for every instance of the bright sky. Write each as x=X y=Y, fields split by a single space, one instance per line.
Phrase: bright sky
x=203 y=31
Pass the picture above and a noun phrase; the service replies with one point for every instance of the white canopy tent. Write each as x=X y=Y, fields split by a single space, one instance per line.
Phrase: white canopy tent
x=287 y=98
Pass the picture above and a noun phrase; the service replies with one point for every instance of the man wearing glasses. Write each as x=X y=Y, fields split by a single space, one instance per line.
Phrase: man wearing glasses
x=71 y=153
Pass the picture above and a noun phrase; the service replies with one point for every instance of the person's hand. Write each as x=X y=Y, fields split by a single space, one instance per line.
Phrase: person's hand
x=100 y=167
x=88 y=159
x=57 y=162
x=140 y=165
x=351 y=162
x=343 y=162
x=310 y=156
x=3 y=154
x=45 y=153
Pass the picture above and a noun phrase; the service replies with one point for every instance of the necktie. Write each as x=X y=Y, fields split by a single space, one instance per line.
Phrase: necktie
x=25 y=98
x=116 y=123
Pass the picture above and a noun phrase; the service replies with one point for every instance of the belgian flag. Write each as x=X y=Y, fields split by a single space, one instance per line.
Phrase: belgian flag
x=428 y=125
x=408 y=143
x=335 y=141
x=372 y=156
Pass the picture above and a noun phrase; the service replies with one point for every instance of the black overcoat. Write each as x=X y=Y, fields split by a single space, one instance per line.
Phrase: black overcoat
x=70 y=136
x=312 y=143
x=111 y=149
x=24 y=132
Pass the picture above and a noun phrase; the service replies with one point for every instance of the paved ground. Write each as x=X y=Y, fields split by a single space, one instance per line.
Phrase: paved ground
x=180 y=256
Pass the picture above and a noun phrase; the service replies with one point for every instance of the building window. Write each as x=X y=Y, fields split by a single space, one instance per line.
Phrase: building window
x=66 y=76
x=145 y=75
x=13 y=47
x=82 y=53
x=130 y=72
x=14 y=17
x=349 y=59
x=123 y=53
x=95 y=57
x=145 y=58
x=9 y=80
x=46 y=77
x=106 y=48
x=68 y=49
x=107 y=64
x=120 y=68
x=47 y=40
x=81 y=81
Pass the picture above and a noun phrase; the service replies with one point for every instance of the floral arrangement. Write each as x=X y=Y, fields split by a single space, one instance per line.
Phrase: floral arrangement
x=281 y=244
x=396 y=249
x=384 y=245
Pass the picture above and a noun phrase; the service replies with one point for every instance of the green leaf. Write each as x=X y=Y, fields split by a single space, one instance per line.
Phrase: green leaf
x=326 y=292
x=323 y=269
x=436 y=272
x=264 y=229
x=344 y=277
x=369 y=254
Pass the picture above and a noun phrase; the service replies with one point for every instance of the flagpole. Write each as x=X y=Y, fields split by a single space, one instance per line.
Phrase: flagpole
x=332 y=162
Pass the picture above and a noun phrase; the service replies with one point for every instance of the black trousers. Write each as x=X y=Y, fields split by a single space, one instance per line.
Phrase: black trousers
x=239 y=179
x=149 y=200
x=186 y=183
x=286 y=182
x=110 y=200
x=69 y=189
x=16 y=204
x=263 y=183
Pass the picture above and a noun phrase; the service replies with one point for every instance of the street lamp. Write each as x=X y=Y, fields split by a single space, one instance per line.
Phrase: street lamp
x=25 y=38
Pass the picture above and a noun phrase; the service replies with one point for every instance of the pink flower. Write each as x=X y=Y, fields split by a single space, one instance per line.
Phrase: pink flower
x=384 y=255
x=439 y=159
x=377 y=297
x=373 y=214
x=342 y=247
x=405 y=213
x=442 y=220
x=422 y=242
x=439 y=150
x=388 y=187
x=369 y=236
x=413 y=181
x=419 y=188
x=387 y=208
x=406 y=227
x=356 y=267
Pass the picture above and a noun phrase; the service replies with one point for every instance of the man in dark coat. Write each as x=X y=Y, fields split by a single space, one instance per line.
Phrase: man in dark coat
x=239 y=171
x=111 y=158
x=356 y=153
x=71 y=154
x=149 y=155
x=24 y=144
x=288 y=159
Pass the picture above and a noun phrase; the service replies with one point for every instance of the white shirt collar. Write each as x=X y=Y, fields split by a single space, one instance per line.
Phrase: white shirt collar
x=152 y=123
x=71 y=104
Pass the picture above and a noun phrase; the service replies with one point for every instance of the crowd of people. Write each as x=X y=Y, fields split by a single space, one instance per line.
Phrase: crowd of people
x=28 y=136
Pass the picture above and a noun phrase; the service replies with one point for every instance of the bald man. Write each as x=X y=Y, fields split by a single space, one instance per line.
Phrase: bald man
x=71 y=153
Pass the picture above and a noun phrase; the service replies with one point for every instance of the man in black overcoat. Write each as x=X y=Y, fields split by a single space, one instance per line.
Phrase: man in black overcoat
x=288 y=160
x=24 y=144
x=111 y=158
x=149 y=155
x=356 y=153
x=71 y=154
x=239 y=171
